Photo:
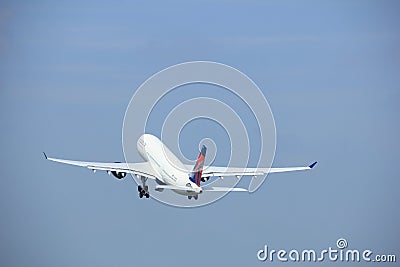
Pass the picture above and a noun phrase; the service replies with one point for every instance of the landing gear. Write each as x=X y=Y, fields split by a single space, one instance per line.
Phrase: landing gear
x=195 y=197
x=143 y=190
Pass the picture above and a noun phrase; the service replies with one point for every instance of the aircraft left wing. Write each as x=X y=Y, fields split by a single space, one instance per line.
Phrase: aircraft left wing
x=210 y=171
x=142 y=168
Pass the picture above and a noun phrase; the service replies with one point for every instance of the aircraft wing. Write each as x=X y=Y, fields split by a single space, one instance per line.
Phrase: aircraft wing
x=142 y=168
x=210 y=171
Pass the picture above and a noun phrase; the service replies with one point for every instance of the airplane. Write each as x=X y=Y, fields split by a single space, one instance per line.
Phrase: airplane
x=170 y=173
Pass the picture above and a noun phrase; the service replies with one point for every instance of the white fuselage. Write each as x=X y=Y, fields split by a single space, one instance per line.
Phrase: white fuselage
x=169 y=168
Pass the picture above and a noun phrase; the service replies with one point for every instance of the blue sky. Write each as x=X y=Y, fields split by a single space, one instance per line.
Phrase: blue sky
x=329 y=70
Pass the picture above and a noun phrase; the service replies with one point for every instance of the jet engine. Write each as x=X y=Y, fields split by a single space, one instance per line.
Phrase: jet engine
x=119 y=175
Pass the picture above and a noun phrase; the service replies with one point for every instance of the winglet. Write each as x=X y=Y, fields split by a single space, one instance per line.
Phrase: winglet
x=312 y=165
x=45 y=156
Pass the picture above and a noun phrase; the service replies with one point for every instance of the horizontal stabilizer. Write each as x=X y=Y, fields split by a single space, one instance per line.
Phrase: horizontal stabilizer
x=174 y=187
x=224 y=189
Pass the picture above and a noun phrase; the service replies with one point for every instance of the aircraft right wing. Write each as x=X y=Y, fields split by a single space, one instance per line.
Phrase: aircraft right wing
x=210 y=171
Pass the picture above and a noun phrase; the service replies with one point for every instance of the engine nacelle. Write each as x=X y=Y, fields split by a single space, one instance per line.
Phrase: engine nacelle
x=204 y=179
x=119 y=175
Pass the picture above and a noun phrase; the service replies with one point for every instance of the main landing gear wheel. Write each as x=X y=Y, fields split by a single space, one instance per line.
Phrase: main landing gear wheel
x=143 y=190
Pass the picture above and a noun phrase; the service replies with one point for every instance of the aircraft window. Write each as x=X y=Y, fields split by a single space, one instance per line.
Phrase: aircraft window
x=189 y=185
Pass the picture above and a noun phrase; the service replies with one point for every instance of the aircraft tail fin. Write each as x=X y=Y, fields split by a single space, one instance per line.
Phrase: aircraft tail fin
x=195 y=175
